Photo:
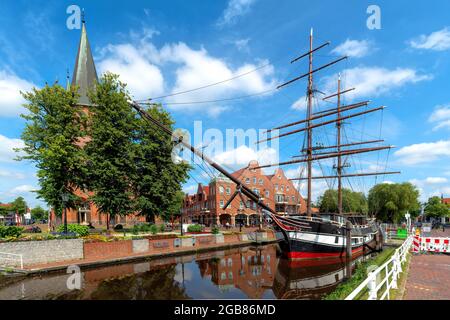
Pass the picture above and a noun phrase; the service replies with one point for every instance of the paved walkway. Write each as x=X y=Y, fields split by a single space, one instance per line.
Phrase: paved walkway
x=429 y=274
x=428 y=277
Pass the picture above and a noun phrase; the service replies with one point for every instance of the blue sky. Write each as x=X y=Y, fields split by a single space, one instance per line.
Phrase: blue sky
x=161 y=47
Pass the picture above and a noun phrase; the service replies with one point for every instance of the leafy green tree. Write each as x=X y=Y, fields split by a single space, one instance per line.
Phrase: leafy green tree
x=54 y=125
x=157 y=181
x=110 y=148
x=390 y=202
x=352 y=202
x=38 y=213
x=19 y=205
x=436 y=209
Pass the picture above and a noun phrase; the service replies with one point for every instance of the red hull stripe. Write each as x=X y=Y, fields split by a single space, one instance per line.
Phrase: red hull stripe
x=316 y=255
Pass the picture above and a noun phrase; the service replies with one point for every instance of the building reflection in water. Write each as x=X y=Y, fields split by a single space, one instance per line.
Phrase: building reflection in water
x=250 y=272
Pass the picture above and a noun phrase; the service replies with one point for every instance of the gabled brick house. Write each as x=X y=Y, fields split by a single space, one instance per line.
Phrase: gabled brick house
x=206 y=206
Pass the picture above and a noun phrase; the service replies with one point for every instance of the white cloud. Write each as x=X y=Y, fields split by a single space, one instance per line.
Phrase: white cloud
x=141 y=66
x=10 y=98
x=440 y=117
x=25 y=188
x=423 y=152
x=234 y=10
x=132 y=63
x=437 y=41
x=7 y=146
x=431 y=186
x=368 y=82
x=300 y=104
x=197 y=68
x=373 y=81
x=11 y=174
x=242 y=44
x=353 y=48
x=241 y=156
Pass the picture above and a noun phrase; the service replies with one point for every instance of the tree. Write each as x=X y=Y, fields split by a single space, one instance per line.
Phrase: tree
x=390 y=202
x=158 y=180
x=110 y=147
x=38 y=213
x=54 y=125
x=435 y=208
x=19 y=205
x=352 y=202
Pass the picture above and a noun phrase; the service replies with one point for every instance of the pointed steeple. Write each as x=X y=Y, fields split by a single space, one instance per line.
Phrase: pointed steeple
x=84 y=74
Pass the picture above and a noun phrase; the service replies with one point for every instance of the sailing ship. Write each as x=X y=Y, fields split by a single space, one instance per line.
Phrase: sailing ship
x=311 y=235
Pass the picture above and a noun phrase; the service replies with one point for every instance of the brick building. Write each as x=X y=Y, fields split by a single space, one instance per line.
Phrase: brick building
x=206 y=206
x=85 y=77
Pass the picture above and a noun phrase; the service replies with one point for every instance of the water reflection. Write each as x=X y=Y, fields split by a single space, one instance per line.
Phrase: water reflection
x=250 y=273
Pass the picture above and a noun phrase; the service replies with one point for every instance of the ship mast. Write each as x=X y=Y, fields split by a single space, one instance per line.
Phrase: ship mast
x=308 y=124
x=339 y=158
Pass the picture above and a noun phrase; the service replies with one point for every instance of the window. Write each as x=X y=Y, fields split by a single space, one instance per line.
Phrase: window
x=256 y=191
x=293 y=198
x=248 y=203
x=247 y=181
x=267 y=193
x=228 y=190
x=282 y=188
x=221 y=203
x=261 y=181
x=276 y=186
x=221 y=190
x=241 y=205
x=254 y=180
x=287 y=189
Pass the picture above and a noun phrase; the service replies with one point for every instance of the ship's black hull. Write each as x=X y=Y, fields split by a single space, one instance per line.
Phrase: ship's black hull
x=319 y=240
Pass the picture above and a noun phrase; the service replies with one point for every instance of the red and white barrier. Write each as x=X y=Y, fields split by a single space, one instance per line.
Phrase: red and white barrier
x=430 y=244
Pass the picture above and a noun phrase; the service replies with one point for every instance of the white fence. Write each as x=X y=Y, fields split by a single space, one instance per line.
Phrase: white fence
x=380 y=281
x=11 y=260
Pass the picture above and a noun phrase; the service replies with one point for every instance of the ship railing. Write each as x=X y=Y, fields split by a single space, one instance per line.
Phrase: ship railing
x=8 y=260
x=316 y=219
x=381 y=281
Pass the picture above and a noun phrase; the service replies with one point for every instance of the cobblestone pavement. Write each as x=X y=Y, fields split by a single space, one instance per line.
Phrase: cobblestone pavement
x=429 y=277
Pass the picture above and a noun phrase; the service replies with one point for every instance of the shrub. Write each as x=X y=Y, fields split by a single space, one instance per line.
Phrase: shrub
x=10 y=232
x=195 y=228
x=215 y=230
x=162 y=227
x=118 y=227
x=78 y=229
x=153 y=229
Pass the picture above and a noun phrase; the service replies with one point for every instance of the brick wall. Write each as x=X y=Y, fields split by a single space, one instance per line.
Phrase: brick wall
x=40 y=252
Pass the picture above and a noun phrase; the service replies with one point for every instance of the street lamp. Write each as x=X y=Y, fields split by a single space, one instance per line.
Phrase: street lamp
x=65 y=198
x=181 y=222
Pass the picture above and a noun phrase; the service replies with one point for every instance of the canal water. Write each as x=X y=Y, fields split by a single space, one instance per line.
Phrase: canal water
x=240 y=273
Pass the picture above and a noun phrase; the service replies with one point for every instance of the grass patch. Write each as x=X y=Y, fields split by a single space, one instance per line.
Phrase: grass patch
x=358 y=276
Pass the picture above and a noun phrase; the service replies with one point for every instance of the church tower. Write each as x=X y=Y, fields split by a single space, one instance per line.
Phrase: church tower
x=84 y=73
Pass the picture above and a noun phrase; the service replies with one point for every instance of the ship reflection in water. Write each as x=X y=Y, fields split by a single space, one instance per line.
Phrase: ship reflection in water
x=241 y=273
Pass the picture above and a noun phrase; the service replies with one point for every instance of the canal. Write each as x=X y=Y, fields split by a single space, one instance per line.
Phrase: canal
x=240 y=273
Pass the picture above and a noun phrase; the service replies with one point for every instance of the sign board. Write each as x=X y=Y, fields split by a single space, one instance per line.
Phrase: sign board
x=426 y=227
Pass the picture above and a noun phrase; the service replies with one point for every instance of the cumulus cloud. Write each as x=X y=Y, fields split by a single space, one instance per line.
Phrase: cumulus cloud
x=11 y=174
x=353 y=48
x=135 y=67
x=436 y=41
x=431 y=186
x=234 y=10
x=373 y=81
x=241 y=156
x=7 y=146
x=440 y=117
x=198 y=68
x=423 y=152
x=25 y=188
x=368 y=81
x=141 y=66
x=10 y=98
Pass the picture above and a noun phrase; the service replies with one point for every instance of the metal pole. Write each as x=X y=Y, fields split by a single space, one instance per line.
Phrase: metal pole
x=348 y=256
x=65 y=217
x=181 y=222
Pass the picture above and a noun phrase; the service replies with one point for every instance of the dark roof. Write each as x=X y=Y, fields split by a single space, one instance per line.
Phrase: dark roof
x=84 y=73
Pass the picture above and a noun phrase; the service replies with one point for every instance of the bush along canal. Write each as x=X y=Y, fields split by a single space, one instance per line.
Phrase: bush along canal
x=246 y=272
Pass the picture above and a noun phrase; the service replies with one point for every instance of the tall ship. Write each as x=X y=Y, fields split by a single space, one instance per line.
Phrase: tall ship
x=311 y=235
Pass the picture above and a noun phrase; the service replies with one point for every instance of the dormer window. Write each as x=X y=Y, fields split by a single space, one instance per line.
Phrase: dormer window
x=247 y=181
